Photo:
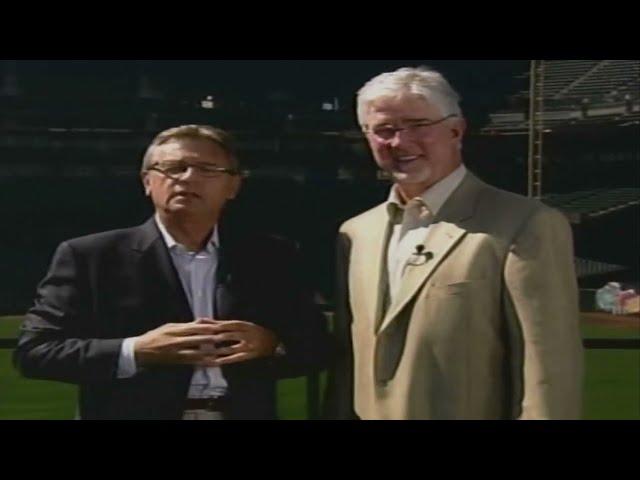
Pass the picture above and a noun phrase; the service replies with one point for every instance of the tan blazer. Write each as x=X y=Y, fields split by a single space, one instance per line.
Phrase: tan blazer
x=487 y=328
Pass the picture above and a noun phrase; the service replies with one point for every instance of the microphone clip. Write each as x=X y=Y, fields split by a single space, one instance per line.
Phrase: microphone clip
x=420 y=257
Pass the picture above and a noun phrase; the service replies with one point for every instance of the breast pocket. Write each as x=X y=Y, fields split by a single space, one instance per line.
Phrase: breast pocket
x=454 y=288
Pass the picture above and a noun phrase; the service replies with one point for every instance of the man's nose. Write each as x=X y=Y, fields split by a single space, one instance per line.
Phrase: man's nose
x=189 y=173
x=400 y=137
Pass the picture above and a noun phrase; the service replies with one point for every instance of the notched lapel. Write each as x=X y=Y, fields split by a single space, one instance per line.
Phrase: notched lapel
x=441 y=240
x=163 y=290
x=370 y=267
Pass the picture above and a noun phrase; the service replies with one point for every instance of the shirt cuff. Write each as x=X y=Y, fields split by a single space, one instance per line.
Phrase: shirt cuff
x=127 y=361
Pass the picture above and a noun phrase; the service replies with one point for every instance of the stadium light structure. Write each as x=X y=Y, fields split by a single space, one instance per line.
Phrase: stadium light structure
x=536 y=128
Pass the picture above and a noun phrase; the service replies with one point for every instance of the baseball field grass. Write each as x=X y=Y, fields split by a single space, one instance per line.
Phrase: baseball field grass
x=612 y=384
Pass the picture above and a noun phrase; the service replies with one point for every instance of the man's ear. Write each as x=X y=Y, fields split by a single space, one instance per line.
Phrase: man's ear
x=459 y=128
x=235 y=186
x=146 y=183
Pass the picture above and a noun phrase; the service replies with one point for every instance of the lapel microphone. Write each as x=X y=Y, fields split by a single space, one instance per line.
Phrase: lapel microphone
x=421 y=253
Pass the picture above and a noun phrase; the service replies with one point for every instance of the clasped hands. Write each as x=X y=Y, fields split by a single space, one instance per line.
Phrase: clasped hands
x=204 y=342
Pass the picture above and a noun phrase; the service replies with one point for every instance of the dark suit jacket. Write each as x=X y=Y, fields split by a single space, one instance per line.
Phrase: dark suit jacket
x=103 y=288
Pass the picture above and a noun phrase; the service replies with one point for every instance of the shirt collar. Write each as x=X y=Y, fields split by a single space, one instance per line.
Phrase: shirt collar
x=212 y=244
x=435 y=196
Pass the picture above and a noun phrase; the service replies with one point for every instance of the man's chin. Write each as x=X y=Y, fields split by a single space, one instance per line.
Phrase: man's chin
x=410 y=178
x=176 y=208
x=179 y=205
x=183 y=203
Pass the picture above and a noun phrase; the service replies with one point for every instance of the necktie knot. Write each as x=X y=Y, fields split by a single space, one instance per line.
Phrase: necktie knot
x=419 y=210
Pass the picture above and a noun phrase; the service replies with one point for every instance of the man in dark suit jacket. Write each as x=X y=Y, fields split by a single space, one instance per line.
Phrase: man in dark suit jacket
x=176 y=318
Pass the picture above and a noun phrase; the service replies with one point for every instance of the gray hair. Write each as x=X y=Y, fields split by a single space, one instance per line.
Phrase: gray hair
x=219 y=137
x=423 y=81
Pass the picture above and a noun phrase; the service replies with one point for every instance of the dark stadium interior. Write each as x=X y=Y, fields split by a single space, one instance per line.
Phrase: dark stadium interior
x=72 y=135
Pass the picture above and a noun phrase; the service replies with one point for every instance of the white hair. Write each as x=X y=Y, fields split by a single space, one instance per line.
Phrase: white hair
x=422 y=81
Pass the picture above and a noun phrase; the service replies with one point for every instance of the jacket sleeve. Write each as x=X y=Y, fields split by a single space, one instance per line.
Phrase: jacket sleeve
x=542 y=299
x=55 y=340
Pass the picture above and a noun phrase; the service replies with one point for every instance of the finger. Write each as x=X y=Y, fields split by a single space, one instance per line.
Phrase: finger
x=235 y=358
x=229 y=337
x=196 y=357
x=192 y=341
x=209 y=361
x=233 y=349
x=233 y=325
x=181 y=357
x=206 y=320
x=188 y=329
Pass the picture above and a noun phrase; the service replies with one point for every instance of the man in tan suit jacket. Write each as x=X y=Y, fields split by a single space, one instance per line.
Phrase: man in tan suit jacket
x=455 y=300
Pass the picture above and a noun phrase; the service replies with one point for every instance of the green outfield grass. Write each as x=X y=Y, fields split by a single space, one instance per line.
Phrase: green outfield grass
x=612 y=387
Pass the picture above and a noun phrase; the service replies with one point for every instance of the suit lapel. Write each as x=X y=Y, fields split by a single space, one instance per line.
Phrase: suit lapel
x=160 y=279
x=166 y=300
x=446 y=232
x=373 y=261
x=442 y=238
